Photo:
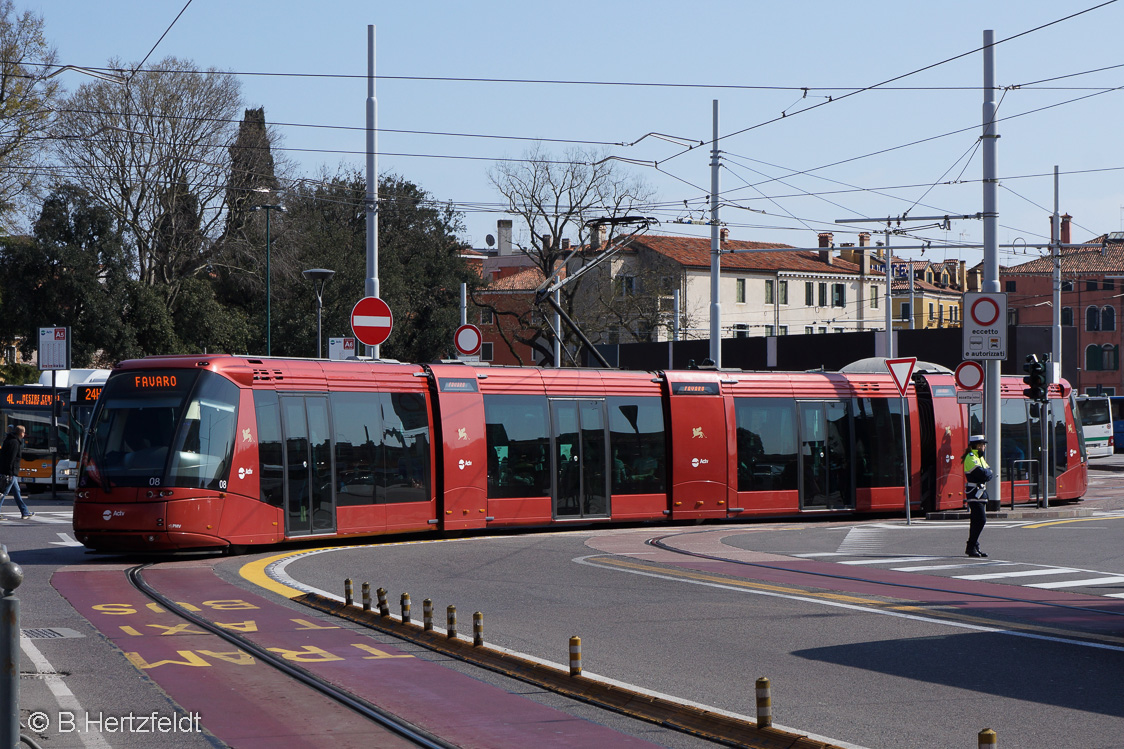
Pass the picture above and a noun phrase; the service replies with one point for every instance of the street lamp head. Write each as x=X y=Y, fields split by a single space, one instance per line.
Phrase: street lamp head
x=318 y=274
x=269 y=208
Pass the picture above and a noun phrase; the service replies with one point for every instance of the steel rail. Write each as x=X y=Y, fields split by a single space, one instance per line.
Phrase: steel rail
x=366 y=709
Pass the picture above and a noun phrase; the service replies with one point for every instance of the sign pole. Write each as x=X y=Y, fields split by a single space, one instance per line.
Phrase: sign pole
x=905 y=462
x=901 y=371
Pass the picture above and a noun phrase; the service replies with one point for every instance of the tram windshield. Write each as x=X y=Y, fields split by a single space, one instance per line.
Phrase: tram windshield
x=162 y=428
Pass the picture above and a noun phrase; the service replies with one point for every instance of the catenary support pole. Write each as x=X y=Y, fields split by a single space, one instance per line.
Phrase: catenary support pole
x=715 y=254
x=991 y=256
x=372 y=200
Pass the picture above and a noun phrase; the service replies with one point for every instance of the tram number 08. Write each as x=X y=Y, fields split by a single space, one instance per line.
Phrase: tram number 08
x=154 y=482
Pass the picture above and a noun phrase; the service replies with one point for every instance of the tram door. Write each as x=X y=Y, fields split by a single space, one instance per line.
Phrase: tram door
x=825 y=458
x=581 y=451
x=309 y=499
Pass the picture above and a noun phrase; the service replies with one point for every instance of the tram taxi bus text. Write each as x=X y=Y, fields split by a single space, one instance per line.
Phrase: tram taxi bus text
x=152 y=382
x=44 y=398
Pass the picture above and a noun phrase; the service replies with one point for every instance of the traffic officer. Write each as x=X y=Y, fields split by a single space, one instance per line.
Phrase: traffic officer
x=976 y=473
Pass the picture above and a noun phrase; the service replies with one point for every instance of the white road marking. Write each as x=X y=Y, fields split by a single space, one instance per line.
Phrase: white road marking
x=63 y=696
x=66 y=540
x=1079 y=583
x=894 y=560
x=929 y=567
x=1020 y=573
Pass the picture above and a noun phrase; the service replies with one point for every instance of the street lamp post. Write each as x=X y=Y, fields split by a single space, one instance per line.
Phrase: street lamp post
x=319 y=277
x=268 y=329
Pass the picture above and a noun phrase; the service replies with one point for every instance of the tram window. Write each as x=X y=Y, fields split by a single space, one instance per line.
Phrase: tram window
x=1014 y=435
x=357 y=428
x=878 y=442
x=271 y=474
x=766 y=444
x=637 y=443
x=204 y=446
x=518 y=446
x=405 y=449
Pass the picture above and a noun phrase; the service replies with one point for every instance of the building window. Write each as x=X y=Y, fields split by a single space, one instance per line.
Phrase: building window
x=839 y=330
x=874 y=296
x=626 y=286
x=768 y=330
x=1108 y=318
x=931 y=311
x=485 y=351
x=739 y=293
x=487 y=317
x=741 y=330
x=782 y=288
x=1110 y=357
x=769 y=296
x=809 y=293
x=1092 y=319
x=1109 y=284
x=905 y=310
x=1067 y=285
x=838 y=295
x=808 y=330
x=823 y=295
x=1094 y=358
x=1091 y=285
x=1067 y=315
x=783 y=330
x=1009 y=286
x=940 y=315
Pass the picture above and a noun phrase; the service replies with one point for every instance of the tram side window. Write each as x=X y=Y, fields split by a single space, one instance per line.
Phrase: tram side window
x=878 y=442
x=637 y=443
x=357 y=425
x=271 y=472
x=766 y=444
x=518 y=446
x=405 y=453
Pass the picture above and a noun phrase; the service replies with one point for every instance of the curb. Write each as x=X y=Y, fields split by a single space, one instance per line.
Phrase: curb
x=692 y=720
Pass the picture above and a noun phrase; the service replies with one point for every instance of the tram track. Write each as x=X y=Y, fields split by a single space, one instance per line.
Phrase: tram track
x=967 y=592
x=407 y=731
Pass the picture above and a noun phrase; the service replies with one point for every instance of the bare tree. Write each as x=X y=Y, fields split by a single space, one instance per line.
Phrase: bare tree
x=555 y=198
x=154 y=151
x=26 y=99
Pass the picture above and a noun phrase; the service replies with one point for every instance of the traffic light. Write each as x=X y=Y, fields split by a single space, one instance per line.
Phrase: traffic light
x=1035 y=379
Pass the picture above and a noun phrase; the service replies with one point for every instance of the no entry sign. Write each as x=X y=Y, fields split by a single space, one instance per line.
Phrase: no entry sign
x=467 y=339
x=371 y=320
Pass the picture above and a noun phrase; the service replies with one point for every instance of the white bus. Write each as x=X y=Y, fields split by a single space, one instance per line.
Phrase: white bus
x=1096 y=424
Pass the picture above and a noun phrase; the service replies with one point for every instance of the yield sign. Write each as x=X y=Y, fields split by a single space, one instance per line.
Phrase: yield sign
x=901 y=370
x=371 y=320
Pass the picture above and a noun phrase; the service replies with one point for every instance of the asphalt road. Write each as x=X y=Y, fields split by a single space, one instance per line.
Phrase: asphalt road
x=843 y=666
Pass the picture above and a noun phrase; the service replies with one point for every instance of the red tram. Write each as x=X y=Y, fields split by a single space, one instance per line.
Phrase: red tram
x=225 y=452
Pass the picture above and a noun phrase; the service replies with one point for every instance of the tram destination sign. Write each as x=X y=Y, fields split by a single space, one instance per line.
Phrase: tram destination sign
x=985 y=325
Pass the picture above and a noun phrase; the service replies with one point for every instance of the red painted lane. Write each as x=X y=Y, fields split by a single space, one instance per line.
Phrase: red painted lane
x=455 y=706
x=244 y=705
x=1096 y=615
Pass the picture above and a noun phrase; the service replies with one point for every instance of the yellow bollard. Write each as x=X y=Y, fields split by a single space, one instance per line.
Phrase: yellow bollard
x=366 y=596
x=451 y=622
x=427 y=615
x=384 y=607
x=347 y=596
x=405 y=608
x=477 y=629
x=988 y=739
x=575 y=656
x=764 y=703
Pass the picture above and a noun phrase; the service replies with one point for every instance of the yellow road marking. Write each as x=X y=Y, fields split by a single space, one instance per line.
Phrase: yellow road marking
x=1074 y=520
x=255 y=573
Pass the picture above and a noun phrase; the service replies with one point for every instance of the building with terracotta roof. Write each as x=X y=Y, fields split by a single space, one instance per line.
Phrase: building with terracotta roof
x=1090 y=296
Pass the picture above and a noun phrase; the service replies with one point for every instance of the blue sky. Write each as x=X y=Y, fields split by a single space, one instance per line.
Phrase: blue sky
x=714 y=50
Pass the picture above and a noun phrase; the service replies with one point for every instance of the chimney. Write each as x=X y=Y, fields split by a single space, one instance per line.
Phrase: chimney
x=565 y=244
x=825 y=242
x=724 y=234
x=503 y=232
x=864 y=239
x=598 y=237
x=1064 y=234
x=547 y=242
